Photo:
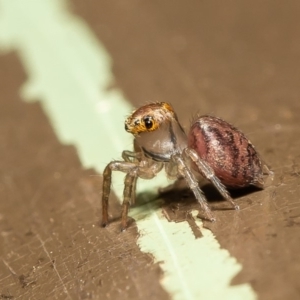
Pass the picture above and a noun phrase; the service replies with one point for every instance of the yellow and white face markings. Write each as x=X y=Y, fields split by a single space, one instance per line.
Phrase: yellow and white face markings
x=69 y=71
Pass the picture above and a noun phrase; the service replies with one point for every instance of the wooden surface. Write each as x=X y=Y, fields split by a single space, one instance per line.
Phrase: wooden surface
x=236 y=60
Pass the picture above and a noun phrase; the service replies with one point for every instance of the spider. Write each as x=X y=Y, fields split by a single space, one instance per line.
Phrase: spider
x=212 y=148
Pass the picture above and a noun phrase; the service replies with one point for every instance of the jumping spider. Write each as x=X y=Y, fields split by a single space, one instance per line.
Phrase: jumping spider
x=213 y=148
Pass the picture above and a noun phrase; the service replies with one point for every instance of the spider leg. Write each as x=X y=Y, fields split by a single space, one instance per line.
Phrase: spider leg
x=209 y=173
x=131 y=156
x=128 y=155
x=123 y=166
x=191 y=180
x=129 y=190
x=133 y=190
x=144 y=169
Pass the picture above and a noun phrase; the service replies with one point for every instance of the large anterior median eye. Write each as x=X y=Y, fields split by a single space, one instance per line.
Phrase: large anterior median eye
x=148 y=122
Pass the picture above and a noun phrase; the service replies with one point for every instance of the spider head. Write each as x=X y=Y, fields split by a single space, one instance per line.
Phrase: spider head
x=157 y=131
x=149 y=118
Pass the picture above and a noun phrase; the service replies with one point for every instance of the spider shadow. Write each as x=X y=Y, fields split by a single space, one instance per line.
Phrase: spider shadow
x=213 y=195
x=146 y=200
x=177 y=203
x=219 y=203
x=184 y=197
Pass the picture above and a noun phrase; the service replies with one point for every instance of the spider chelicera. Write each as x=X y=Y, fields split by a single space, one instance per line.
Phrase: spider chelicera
x=213 y=148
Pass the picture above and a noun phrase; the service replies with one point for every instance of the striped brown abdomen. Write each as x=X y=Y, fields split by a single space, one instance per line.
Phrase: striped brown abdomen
x=226 y=149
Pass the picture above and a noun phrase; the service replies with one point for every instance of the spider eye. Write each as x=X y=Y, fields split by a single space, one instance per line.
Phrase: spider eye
x=148 y=122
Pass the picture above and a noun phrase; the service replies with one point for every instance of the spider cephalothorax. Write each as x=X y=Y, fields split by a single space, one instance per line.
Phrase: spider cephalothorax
x=149 y=118
x=157 y=131
x=213 y=148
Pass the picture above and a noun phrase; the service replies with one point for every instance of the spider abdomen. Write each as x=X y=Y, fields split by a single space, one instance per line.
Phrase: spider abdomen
x=226 y=149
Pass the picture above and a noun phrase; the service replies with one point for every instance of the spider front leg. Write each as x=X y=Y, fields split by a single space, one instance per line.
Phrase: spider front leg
x=144 y=168
x=131 y=156
x=123 y=166
x=191 y=180
x=128 y=197
x=209 y=173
